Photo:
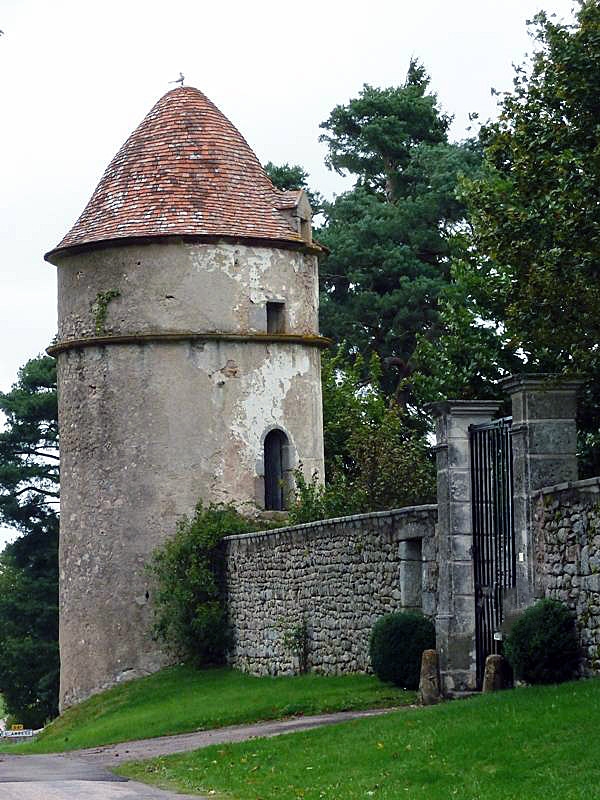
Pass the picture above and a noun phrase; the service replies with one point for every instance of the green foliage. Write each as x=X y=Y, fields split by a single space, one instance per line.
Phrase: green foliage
x=524 y=292
x=315 y=500
x=295 y=640
x=396 y=645
x=542 y=646
x=534 y=209
x=100 y=308
x=29 y=666
x=351 y=395
x=374 y=136
x=29 y=449
x=190 y=609
x=468 y=352
x=395 y=463
x=29 y=663
x=536 y=217
x=376 y=455
x=388 y=237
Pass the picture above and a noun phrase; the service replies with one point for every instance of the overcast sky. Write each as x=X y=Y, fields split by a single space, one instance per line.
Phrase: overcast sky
x=77 y=78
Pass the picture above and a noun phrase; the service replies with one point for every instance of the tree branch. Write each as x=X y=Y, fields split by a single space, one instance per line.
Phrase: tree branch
x=45 y=492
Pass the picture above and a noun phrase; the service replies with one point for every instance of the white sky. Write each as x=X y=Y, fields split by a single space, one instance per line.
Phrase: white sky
x=76 y=78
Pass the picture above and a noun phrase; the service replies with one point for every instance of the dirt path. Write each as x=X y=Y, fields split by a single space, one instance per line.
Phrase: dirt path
x=113 y=754
x=86 y=775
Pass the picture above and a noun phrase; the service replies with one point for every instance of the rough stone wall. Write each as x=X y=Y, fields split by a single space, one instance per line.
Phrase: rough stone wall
x=567 y=557
x=148 y=429
x=328 y=581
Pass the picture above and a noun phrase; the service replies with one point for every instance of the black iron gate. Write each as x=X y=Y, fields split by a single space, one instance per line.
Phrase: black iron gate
x=494 y=557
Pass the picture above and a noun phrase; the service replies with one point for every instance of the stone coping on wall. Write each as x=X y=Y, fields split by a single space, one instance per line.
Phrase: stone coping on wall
x=355 y=518
x=590 y=485
x=170 y=337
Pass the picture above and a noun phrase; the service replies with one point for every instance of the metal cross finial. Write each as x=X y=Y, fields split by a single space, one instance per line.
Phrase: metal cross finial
x=179 y=80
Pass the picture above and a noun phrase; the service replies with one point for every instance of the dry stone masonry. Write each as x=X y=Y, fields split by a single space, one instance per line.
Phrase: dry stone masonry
x=567 y=557
x=307 y=596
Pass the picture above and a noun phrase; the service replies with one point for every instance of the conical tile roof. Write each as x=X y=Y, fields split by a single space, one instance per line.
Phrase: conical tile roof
x=185 y=171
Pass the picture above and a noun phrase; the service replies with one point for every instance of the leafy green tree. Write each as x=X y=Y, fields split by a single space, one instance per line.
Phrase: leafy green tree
x=189 y=568
x=29 y=666
x=469 y=351
x=535 y=209
x=376 y=455
x=526 y=292
x=374 y=136
x=388 y=237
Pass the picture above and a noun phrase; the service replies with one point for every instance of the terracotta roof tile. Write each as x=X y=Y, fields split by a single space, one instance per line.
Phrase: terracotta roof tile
x=186 y=170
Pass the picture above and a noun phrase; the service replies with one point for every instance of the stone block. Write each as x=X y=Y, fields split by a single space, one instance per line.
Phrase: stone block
x=550 y=404
x=428 y=550
x=458 y=454
x=410 y=550
x=463 y=622
x=461 y=547
x=462 y=578
x=461 y=521
x=428 y=604
x=591 y=583
x=458 y=429
x=495 y=674
x=459 y=654
x=550 y=470
x=443 y=487
x=551 y=437
x=460 y=485
x=429 y=684
x=410 y=583
x=584 y=560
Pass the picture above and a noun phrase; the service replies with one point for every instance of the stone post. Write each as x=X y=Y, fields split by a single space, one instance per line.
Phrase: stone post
x=411 y=574
x=455 y=618
x=544 y=440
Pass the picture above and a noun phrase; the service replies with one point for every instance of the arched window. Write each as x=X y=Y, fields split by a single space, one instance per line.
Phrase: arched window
x=275 y=465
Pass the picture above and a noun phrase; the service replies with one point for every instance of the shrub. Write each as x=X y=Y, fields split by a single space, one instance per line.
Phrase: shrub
x=542 y=646
x=189 y=602
x=315 y=501
x=396 y=646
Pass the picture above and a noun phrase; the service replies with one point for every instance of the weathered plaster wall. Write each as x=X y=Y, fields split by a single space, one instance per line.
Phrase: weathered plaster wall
x=567 y=557
x=332 y=578
x=149 y=429
x=182 y=286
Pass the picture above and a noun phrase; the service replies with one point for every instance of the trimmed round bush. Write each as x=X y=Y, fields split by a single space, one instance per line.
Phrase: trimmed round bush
x=396 y=646
x=542 y=646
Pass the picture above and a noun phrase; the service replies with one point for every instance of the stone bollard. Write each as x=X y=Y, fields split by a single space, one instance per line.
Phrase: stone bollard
x=429 y=685
x=494 y=676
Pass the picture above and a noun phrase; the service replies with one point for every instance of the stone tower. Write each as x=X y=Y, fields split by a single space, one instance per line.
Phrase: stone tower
x=188 y=368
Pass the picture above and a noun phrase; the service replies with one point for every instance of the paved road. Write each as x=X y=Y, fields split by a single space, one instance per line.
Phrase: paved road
x=85 y=774
x=68 y=778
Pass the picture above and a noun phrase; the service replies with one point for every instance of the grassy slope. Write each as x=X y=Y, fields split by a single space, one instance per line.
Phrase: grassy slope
x=181 y=699
x=529 y=744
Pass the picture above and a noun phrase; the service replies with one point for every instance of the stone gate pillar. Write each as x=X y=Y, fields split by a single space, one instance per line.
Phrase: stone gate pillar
x=455 y=619
x=544 y=439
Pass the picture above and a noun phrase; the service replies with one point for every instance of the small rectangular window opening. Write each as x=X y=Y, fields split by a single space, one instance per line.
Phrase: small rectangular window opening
x=275 y=317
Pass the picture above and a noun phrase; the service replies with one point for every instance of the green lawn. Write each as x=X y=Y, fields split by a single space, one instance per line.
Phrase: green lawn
x=527 y=744
x=181 y=699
